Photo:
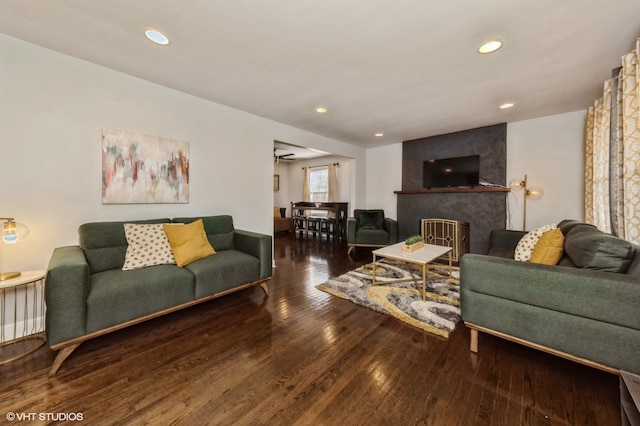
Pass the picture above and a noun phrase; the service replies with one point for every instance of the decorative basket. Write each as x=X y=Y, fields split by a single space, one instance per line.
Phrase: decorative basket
x=412 y=247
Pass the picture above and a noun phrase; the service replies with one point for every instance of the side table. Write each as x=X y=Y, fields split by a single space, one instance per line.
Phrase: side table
x=630 y=398
x=21 y=315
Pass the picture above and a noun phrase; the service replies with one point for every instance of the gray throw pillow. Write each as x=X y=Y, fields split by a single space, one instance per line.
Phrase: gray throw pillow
x=568 y=224
x=589 y=248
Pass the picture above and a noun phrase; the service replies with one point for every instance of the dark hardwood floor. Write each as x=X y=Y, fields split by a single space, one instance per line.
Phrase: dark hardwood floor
x=301 y=356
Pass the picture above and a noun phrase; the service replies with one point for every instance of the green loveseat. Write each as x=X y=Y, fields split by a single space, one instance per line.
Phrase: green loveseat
x=88 y=294
x=586 y=308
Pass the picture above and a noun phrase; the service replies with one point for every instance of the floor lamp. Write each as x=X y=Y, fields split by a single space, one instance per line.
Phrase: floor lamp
x=532 y=192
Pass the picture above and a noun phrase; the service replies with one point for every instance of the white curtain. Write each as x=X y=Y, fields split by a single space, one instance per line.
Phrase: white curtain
x=597 y=162
x=612 y=148
x=334 y=190
x=306 y=189
x=629 y=147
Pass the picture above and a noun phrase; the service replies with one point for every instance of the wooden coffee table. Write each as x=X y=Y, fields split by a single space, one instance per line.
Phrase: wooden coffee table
x=421 y=257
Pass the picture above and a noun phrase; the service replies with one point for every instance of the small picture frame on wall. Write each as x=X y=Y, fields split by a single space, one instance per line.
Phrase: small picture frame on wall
x=276 y=182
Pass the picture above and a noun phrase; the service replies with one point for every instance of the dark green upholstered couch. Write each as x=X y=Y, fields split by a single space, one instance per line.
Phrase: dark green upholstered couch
x=587 y=308
x=88 y=294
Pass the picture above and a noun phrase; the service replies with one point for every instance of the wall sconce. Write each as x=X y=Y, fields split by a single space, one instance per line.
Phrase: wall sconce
x=533 y=192
x=12 y=233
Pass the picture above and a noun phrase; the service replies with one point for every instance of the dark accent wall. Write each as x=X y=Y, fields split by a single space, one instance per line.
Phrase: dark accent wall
x=483 y=211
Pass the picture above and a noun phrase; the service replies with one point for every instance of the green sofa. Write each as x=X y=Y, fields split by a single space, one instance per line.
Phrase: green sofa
x=88 y=294
x=586 y=308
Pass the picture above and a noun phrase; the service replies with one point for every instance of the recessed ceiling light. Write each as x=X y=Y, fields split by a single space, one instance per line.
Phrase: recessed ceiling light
x=506 y=105
x=321 y=110
x=156 y=36
x=490 y=46
x=379 y=135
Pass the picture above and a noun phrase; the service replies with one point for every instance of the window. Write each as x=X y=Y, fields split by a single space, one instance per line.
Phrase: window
x=319 y=184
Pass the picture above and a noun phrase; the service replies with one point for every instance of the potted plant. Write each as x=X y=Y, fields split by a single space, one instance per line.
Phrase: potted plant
x=413 y=243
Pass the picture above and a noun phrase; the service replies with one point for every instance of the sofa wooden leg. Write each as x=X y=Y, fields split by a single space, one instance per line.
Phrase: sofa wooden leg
x=350 y=250
x=474 y=340
x=62 y=355
x=265 y=288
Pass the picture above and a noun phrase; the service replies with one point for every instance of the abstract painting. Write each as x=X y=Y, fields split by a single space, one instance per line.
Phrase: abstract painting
x=142 y=169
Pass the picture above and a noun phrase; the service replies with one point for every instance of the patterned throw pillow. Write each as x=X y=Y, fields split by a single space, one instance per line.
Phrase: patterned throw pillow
x=525 y=246
x=148 y=246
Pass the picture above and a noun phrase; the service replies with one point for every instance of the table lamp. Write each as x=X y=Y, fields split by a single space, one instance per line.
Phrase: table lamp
x=12 y=233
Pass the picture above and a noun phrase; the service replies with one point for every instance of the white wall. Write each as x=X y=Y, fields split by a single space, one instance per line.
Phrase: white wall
x=550 y=151
x=281 y=197
x=384 y=175
x=52 y=111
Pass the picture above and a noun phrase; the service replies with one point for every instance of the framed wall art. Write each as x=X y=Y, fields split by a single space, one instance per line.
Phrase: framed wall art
x=276 y=182
x=142 y=169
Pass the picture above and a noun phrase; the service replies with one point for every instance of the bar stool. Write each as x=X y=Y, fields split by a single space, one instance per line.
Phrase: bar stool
x=299 y=224
x=328 y=227
x=313 y=224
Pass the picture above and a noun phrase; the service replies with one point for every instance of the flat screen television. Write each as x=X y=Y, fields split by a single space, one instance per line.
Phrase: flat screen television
x=452 y=172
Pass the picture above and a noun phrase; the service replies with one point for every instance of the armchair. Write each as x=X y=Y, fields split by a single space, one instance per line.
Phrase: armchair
x=369 y=228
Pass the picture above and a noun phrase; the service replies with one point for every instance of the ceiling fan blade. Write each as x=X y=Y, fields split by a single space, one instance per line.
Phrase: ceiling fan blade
x=282 y=157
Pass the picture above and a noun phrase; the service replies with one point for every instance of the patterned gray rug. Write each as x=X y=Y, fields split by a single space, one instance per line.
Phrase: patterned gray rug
x=438 y=314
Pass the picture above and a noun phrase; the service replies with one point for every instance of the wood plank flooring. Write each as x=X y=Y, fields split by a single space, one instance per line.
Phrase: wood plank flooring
x=303 y=357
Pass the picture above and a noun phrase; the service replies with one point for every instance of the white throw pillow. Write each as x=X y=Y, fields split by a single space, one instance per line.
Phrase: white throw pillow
x=148 y=246
x=525 y=246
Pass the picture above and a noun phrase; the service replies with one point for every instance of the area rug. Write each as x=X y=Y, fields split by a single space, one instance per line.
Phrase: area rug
x=438 y=314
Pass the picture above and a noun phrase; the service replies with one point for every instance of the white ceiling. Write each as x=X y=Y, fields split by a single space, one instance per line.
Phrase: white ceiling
x=407 y=68
x=290 y=152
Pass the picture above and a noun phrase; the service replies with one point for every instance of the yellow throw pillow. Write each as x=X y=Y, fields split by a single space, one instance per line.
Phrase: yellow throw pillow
x=188 y=242
x=549 y=248
x=525 y=246
x=276 y=213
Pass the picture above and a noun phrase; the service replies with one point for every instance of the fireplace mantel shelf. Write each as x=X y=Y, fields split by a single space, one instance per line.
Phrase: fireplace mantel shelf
x=454 y=190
